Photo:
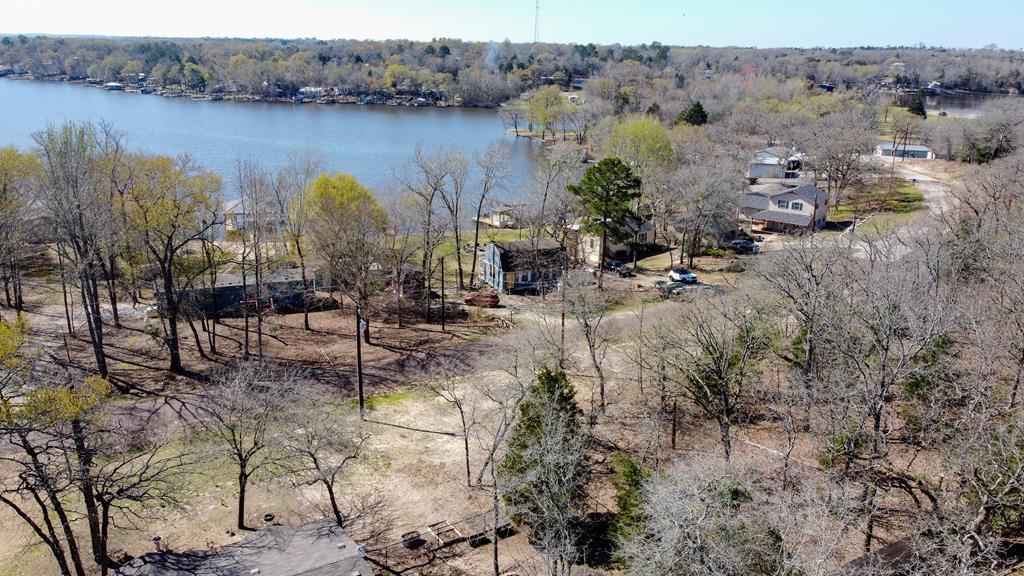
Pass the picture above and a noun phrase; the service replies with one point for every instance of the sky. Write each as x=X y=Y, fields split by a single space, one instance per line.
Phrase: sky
x=760 y=23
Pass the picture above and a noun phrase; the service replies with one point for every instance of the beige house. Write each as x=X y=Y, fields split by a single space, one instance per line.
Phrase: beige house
x=587 y=247
x=785 y=208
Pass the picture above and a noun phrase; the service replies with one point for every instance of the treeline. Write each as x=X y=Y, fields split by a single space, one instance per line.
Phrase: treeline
x=480 y=74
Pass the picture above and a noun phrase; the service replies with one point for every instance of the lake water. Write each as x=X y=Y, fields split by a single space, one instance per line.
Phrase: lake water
x=963 y=105
x=370 y=142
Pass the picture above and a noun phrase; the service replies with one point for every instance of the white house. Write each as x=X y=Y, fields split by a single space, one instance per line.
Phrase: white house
x=785 y=208
x=777 y=162
x=501 y=217
x=887 y=150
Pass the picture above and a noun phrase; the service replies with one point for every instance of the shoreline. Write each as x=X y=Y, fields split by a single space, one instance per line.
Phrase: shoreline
x=406 y=101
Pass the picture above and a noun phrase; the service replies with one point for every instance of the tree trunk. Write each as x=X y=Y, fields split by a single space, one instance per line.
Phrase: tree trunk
x=85 y=485
x=90 y=297
x=497 y=518
x=110 y=271
x=476 y=241
x=243 y=482
x=171 y=303
x=305 y=286
x=335 y=508
x=724 y=431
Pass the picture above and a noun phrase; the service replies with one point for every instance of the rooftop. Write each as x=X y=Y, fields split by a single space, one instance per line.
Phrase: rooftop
x=907 y=147
x=317 y=549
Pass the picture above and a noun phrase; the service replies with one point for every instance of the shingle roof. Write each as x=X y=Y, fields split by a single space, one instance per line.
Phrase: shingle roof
x=522 y=255
x=812 y=194
x=794 y=218
x=316 y=549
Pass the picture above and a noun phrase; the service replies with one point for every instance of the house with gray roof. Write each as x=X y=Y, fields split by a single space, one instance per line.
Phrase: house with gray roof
x=776 y=162
x=790 y=209
x=901 y=150
x=523 y=265
x=317 y=549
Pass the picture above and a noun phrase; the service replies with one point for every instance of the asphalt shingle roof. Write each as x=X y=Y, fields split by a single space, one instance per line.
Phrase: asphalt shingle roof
x=794 y=218
x=316 y=549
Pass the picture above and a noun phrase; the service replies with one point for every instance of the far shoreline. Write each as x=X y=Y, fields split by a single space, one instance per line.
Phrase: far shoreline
x=368 y=100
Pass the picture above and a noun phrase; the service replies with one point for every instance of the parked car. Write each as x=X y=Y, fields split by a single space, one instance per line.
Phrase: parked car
x=618 y=268
x=486 y=300
x=682 y=275
x=744 y=246
x=672 y=288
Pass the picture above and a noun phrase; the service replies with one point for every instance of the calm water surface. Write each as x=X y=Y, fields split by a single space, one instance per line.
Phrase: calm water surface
x=370 y=142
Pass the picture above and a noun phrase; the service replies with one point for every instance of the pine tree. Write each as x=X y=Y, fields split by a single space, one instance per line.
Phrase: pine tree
x=545 y=472
x=694 y=115
x=916 y=105
x=607 y=191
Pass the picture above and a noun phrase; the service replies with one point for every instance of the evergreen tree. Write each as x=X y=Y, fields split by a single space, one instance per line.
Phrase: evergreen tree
x=694 y=115
x=916 y=105
x=607 y=191
x=628 y=479
x=545 y=472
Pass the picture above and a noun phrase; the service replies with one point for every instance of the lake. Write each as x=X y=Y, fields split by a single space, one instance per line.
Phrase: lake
x=370 y=142
x=962 y=105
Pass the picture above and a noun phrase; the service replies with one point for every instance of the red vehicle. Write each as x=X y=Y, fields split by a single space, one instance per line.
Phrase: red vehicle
x=483 y=300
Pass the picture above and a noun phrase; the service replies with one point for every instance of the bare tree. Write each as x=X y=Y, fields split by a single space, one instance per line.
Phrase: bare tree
x=77 y=201
x=424 y=181
x=320 y=450
x=713 y=358
x=291 y=195
x=243 y=408
x=493 y=165
x=589 y=307
x=707 y=204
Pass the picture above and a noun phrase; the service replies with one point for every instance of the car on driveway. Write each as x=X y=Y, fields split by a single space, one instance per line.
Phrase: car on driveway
x=672 y=288
x=618 y=268
x=743 y=246
x=682 y=275
x=485 y=300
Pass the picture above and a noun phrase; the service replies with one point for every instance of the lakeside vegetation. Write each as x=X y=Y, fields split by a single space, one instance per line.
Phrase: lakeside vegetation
x=482 y=73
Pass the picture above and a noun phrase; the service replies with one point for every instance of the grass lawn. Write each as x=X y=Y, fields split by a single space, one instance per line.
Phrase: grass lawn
x=899 y=197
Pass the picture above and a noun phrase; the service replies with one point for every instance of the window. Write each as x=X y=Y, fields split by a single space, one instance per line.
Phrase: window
x=797 y=206
x=784 y=204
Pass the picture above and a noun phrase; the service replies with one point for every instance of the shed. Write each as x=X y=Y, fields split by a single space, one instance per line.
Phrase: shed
x=523 y=265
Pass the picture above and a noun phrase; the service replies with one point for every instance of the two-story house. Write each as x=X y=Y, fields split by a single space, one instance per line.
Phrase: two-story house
x=785 y=208
x=523 y=265
x=586 y=247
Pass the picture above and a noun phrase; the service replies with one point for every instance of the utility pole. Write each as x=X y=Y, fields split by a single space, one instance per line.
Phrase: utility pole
x=359 y=361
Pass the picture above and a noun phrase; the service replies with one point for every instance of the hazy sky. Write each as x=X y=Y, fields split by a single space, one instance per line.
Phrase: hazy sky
x=764 y=23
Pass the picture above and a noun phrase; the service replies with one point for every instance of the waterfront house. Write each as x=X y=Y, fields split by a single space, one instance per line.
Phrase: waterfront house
x=776 y=162
x=790 y=209
x=238 y=219
x=900 y=150
x=522 y=265
x=502 y=217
